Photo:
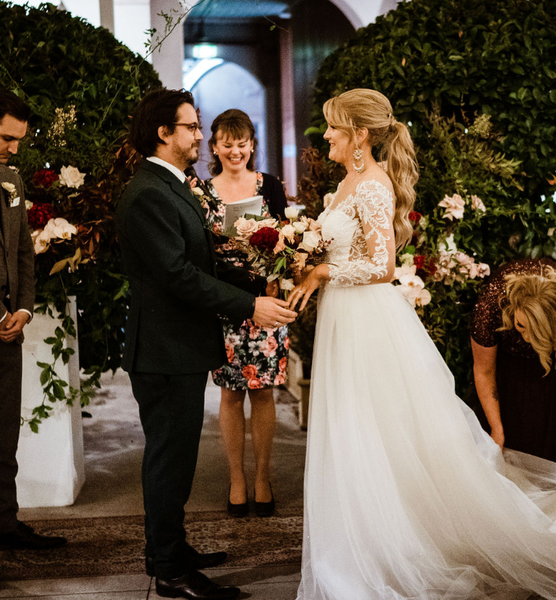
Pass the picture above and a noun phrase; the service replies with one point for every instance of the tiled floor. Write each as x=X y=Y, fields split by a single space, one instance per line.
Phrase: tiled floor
x=113 y=487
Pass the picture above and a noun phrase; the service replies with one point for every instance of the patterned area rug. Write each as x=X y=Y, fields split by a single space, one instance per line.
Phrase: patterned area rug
x=114 y=545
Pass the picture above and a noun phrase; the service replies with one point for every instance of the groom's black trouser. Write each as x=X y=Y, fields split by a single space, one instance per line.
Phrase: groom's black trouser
x=10 y=424
x=171 y=408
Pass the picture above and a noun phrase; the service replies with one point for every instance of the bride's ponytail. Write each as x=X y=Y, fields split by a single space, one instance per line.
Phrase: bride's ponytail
x=399 y=155
x=371 y=110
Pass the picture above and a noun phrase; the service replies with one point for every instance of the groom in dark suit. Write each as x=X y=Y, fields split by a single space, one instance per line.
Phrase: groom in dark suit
x=174 y=335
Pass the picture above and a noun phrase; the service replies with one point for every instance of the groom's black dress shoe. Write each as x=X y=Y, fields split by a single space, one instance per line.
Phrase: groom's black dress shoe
x=195 y=586
x=200 y=561
x=23 y=537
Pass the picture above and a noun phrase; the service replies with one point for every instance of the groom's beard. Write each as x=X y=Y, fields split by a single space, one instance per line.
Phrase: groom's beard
x=191 y=154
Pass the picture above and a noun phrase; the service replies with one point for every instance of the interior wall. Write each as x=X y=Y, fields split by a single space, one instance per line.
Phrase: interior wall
x=318 y=28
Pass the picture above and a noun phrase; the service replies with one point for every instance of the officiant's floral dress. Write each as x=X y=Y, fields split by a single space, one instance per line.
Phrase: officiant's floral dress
x=257 y=356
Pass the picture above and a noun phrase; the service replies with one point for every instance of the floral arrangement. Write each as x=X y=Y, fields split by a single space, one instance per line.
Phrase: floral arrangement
x=281 y=250
x=416 y=265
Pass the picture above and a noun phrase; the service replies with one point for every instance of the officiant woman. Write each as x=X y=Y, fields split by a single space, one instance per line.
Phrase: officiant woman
x=257 y=357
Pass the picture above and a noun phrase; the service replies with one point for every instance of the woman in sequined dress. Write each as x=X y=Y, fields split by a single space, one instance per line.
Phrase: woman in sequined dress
x=514 y=377
x=257 y=357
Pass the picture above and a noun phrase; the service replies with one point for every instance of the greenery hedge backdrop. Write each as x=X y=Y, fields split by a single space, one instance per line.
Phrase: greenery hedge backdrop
x=443 y=64
x=82 y=85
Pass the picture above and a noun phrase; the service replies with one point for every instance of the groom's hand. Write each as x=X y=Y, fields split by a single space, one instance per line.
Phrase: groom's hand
x=271 y=312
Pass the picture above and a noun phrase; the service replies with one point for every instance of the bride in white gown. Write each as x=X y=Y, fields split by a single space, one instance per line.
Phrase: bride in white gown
x=406 y=497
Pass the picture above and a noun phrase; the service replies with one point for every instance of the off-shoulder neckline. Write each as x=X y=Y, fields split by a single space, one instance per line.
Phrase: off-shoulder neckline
x=349 y=196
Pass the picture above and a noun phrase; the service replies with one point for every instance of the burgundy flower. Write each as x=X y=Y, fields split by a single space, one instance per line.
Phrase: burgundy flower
x=419 y=261
x=39 y=214
x=44 y=178
x=415 y=217
x=266 y=237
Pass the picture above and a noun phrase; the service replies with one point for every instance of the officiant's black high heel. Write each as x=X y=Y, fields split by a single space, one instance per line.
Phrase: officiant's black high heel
x=266 y=509
x=238 y=510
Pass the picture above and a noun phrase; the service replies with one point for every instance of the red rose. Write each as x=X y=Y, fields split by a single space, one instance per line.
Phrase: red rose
x=266 y=237
x=39 y=214
x=44 y=178
x=415 y=217
x=283 y=363
x=249 y=371
x=254 y=384
x=432 y=267
x=419 y=261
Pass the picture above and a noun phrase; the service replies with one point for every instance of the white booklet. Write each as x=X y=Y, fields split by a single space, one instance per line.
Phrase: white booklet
x=235 y=210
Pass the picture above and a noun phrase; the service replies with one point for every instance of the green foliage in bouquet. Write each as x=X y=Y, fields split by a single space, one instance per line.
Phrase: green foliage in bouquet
x=82 y=85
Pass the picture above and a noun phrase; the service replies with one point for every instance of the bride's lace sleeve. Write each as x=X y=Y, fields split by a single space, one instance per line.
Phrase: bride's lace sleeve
x=373 y=250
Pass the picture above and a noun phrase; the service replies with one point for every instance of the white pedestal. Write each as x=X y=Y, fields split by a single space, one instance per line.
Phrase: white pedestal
x=51 y=465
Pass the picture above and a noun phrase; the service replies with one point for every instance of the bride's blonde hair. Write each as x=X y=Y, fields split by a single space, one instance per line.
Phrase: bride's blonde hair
x=368 y=109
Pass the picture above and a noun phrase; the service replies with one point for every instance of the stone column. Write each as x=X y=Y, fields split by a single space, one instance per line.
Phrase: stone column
x=289 y=148
x=168 y=58
x=107 y=14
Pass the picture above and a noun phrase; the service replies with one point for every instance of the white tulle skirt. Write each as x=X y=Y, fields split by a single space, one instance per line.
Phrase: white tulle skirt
x=406 y=497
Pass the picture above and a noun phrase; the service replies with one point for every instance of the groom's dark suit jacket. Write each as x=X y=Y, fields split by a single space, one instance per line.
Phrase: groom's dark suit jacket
x=178 y=287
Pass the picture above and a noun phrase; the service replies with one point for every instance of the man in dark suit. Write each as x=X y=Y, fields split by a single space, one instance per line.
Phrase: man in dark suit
x=173 y=334
x=17 y=294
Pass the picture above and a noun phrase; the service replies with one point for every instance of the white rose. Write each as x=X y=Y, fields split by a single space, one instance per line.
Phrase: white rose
x=311 y=240
x=60 y=228
x=71 y=177
x=477 y=204
x=300 y=227
x=28 y=204
x=245 y=227
x=291 y=212
x=41 y=241
x=454 y=206
x=287 y=284
x=267 y=223
x=288 y=232
x=9 y=187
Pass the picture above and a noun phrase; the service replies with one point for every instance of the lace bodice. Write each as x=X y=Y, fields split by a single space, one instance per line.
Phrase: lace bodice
x=361 y=235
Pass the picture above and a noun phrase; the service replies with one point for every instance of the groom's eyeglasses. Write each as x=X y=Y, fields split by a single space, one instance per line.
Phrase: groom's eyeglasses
x=193 y=127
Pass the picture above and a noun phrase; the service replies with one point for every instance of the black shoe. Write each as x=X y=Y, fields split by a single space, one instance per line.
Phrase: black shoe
x=265 y=509
x=238 y=510
x=195 y=586
x=23 y=537
x=200 y=561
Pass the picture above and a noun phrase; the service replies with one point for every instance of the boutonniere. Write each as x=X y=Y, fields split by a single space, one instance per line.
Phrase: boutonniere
x=13 y=198
x=197 y=191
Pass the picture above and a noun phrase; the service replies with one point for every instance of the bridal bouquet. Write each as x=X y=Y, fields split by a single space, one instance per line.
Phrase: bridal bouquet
x=280 y=250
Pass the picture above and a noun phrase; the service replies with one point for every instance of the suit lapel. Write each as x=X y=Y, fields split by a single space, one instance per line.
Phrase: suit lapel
x=5 y=229
x=181 y=189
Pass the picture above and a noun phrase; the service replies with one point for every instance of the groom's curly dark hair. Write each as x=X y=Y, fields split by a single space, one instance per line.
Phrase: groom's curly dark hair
x=158 y=108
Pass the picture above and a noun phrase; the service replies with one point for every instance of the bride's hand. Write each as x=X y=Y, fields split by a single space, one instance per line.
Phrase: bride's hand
x=312 y=282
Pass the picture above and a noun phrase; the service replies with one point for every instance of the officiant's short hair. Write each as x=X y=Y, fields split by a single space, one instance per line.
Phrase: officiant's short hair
x=13 y=105
x=157 y=109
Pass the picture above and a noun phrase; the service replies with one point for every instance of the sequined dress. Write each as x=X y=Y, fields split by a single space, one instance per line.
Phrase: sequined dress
x=406 y=496
x=527 y=398
x=257 y=356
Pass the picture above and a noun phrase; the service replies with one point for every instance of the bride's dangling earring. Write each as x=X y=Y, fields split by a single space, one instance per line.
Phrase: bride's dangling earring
x=358 y=156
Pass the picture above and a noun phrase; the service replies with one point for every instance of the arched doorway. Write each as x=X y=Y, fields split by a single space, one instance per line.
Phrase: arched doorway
x=226 y=85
